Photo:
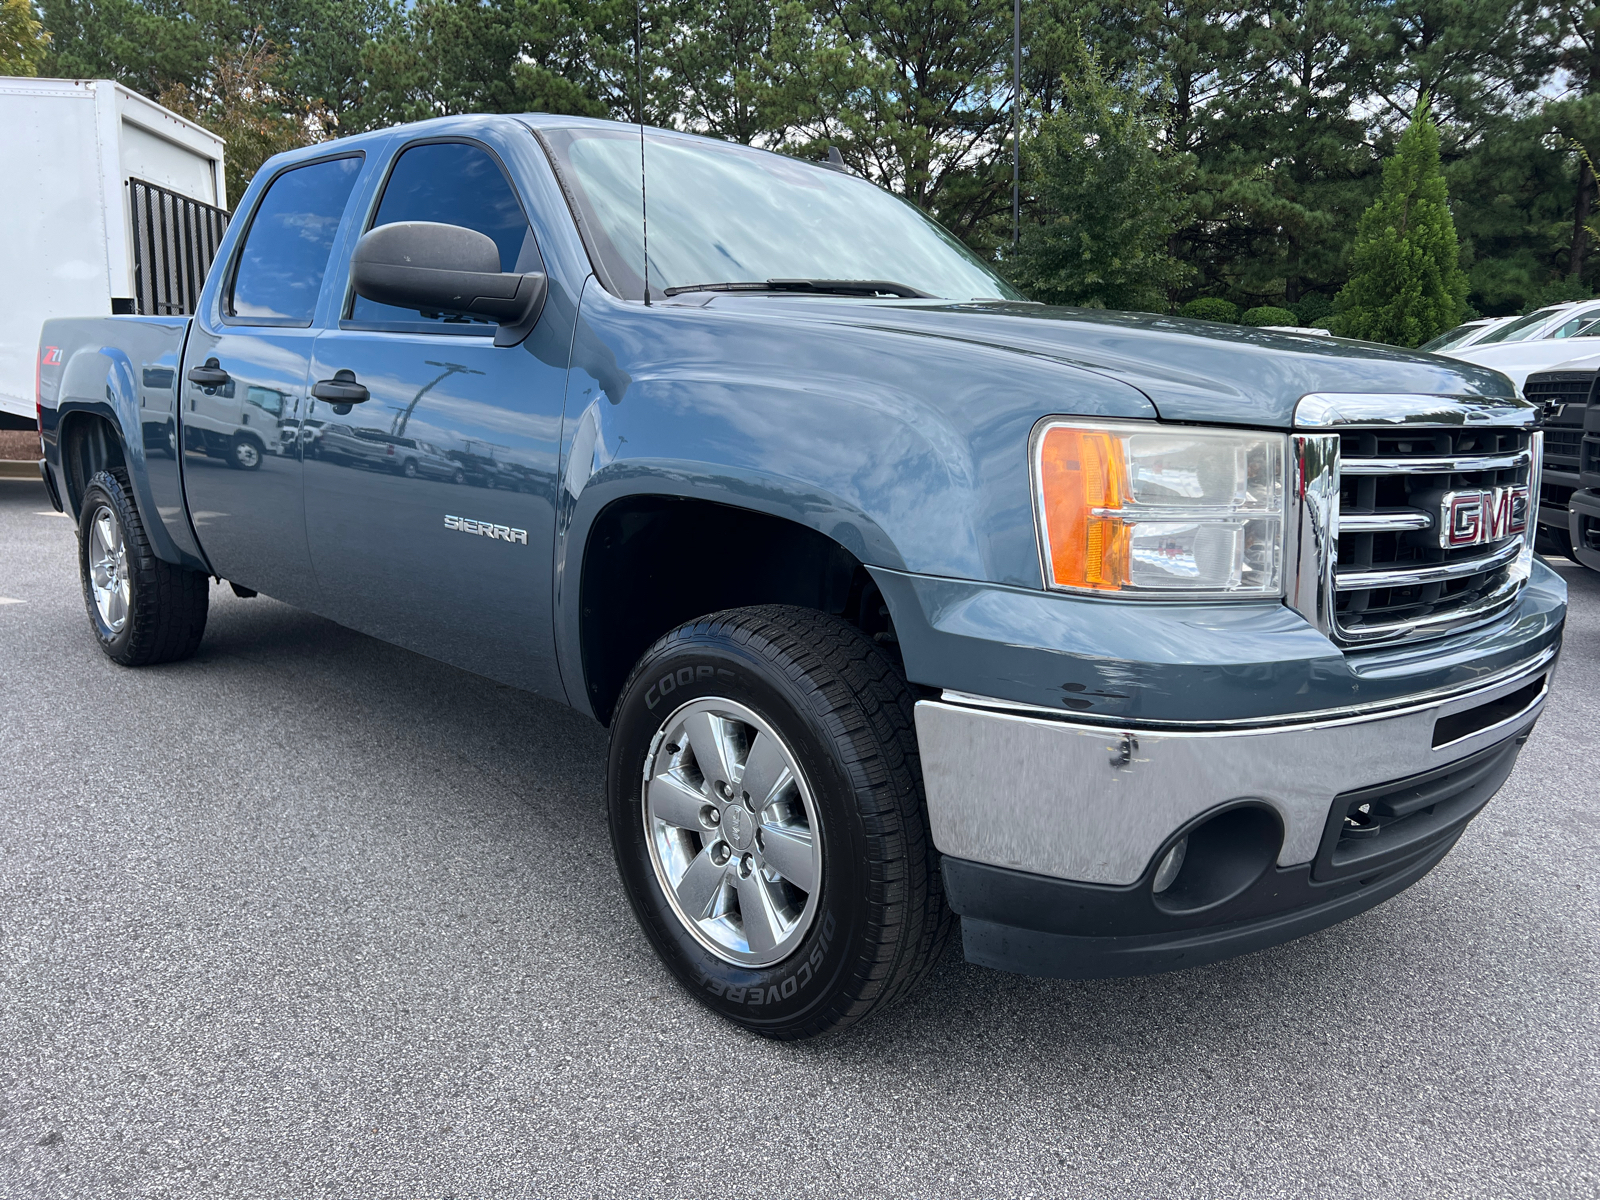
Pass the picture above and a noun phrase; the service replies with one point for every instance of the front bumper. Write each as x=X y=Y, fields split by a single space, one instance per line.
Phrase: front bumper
x=1053 y=830
x=1584 y=526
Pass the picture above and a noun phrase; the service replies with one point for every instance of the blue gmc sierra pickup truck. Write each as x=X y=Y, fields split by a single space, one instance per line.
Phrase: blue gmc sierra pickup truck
x=1132 y=642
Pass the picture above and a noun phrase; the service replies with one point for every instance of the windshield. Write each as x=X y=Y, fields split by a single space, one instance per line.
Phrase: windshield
x=1454 y=338
x=724 y=213
x=1521 y=328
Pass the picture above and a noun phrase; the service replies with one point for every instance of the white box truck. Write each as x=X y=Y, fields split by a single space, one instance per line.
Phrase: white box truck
x=109 y=203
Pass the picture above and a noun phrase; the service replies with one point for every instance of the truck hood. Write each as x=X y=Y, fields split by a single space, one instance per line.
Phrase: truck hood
x=1197 y=371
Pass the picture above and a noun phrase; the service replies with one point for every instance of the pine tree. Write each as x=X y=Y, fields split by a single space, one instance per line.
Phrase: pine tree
x=1104 y=194
x=1406 y=283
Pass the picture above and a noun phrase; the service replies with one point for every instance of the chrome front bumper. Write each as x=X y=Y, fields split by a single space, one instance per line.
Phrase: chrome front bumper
x=1094 y=803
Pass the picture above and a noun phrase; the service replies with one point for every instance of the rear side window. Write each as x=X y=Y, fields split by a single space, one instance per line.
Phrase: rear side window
x=286 y=249
x=453 y=183
x=1571 y=326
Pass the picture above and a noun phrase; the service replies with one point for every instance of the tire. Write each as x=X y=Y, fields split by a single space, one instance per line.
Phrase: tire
x=873 y=920
x=245 y=454
x=156 y=611
x=409 y=468
x=458 y=478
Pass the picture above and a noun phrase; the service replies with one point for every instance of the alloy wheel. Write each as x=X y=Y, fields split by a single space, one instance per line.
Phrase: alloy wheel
x=732 y=831
x=108 y=569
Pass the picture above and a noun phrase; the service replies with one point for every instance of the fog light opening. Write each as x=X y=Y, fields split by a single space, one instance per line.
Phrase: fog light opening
x=1171 y=864
x=1217 y=859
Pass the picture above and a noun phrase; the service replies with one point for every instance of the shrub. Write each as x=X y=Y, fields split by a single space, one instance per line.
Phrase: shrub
x=1406 y=283
x=1269 y=315
x=1212 y=308
x=1308 y=310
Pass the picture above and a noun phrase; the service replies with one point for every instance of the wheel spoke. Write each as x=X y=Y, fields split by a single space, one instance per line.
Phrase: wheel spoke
x=699 y=885
x=674 y=801
x=763 y=928
x=765 y=771
x=104 y=534
x=787 y=851
x=708 y=736
x=116 y=608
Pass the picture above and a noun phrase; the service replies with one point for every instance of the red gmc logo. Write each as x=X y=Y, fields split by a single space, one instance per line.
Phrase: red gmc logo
x=1473 y=518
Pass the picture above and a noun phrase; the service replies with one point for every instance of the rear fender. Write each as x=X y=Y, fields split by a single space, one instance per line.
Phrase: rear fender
x=103 y=382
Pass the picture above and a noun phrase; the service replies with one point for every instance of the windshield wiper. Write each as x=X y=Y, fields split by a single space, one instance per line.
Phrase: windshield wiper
x=816 y=287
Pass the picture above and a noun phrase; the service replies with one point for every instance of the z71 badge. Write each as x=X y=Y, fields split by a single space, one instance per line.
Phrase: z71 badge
x=487 y=529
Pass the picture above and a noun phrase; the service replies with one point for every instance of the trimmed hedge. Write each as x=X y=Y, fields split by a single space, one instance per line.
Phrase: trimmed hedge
x=1211 y=308
x=1268 y=315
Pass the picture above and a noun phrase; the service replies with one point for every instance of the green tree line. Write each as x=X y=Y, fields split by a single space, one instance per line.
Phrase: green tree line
x=1230 y=151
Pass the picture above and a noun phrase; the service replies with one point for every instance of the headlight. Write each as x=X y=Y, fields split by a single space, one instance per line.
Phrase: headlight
x=1143 y=509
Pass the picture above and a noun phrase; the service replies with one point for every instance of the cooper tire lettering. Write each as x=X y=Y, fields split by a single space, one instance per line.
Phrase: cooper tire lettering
x=840 y=704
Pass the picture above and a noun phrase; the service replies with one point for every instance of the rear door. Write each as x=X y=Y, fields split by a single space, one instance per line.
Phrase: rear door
x=243 y=384
x=449 y=551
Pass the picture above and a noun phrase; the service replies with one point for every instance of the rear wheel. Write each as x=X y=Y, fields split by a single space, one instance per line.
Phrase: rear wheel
x=767 y=817
x=142 y=610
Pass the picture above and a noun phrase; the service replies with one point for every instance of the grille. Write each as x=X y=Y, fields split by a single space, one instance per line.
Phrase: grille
x=1565 y=396
x=1393 y=579
x=1561 y=443
x=1559 y=387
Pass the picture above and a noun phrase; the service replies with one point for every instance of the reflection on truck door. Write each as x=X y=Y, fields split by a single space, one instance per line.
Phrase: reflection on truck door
x=245 y=374
x=385 y=561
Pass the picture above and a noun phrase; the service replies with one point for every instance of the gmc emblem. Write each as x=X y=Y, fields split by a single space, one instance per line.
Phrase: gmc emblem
x=1473 y=518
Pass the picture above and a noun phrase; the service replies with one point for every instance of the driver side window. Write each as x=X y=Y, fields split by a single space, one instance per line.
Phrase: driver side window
x=453 y=183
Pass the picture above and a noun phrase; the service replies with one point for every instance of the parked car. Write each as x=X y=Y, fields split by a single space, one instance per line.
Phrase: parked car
x=418 y=459
x=1466 y=334
x=350 y=446
x=1537 y=342
x=1129 y=642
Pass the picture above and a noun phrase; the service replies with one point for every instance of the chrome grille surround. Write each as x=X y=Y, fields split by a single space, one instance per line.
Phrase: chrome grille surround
x=1356 y=462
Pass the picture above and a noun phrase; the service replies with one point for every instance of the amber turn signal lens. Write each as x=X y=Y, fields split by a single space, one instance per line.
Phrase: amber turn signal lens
x=1080 y=476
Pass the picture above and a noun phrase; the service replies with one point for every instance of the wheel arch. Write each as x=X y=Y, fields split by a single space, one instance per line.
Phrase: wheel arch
x=633 y=584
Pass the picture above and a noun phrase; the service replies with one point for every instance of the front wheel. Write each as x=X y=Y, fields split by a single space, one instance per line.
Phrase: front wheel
x=767 y=817
x=142 y=610
x=245 y=454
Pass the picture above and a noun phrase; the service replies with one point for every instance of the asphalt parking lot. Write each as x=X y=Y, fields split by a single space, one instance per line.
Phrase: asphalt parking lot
x=312 y=916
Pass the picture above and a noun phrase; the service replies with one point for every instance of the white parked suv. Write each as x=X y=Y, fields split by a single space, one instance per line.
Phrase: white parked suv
x=1468 y=333
x=1536 y=342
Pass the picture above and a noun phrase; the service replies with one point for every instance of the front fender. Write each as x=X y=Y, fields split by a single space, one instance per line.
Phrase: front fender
x=909 y=451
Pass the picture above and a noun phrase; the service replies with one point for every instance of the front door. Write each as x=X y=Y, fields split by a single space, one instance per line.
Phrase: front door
x=243 y=386
x=430 y=504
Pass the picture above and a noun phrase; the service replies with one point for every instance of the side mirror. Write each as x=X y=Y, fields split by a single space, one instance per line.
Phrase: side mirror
x=446 y=268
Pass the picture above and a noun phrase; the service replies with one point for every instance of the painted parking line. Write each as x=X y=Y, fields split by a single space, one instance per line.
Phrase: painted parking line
x=49 y=514
x=9 y=600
